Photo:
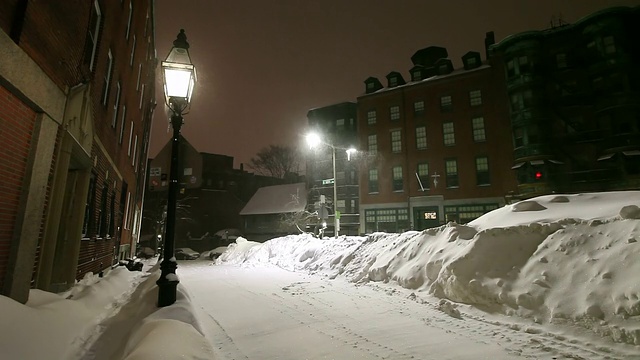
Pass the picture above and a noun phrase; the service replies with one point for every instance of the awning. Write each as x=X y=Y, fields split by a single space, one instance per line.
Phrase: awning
x=631 y=152
x=518 y=165
x=606 y=156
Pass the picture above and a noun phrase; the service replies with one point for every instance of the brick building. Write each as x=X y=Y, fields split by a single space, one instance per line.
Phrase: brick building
x=574 y=93
x=212 y=194
x=435 y=144
x=76 y=89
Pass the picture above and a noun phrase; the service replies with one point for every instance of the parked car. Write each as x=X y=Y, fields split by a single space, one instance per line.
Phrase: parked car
x=213 y=254
x=186 y=254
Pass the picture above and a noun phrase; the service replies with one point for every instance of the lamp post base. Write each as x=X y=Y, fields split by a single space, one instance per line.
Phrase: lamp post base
x=167 y=283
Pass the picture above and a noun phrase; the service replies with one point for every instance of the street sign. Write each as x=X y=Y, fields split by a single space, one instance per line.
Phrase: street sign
x=327 y=181
x=338 y=215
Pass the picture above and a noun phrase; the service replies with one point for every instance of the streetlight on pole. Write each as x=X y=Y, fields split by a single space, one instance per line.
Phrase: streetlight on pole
x=179 y=77
x=314 y=140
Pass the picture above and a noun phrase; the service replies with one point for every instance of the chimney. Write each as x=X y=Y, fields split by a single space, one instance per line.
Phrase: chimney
x=489 y=40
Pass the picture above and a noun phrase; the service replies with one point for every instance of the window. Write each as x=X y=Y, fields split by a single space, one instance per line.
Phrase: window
x=340 y=124
x=122 y=123
x=518 y=66
x=370 y=86
x=139 y=73
x=141 y=96
x=451 y=167
x=475 y=97
x=533 y=137
x=129 y=20
x=524 y=66
x=416 y=75
x=372 y=143
x=445 y=103
x=394 y=113
x=133 y=51
x=393 y=220
x=511 y=68
x=112 y=214
x=397 y=178
x=448 y=134
x=478 y=129
x=130 y=139
x=421 y=137
x=471 y=62
x=482 y=170
x=518 y=137
x=393 y=81
x=418 y=107
x=135 y=157
x=102 y=217
x=396 y=141
x=91 y=45
x=423 y=175
x=609 y=45
x=561 y=61
x=521 y=100
x=107 y=78
x=373 y=180
x=88 y=207
x=463 y=214
x=126 y=214
x=116 y=106
x=371 y=117
x=146 y=23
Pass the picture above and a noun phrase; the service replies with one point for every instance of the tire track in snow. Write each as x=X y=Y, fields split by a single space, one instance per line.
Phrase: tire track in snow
x=524 y=340
x=337 y=331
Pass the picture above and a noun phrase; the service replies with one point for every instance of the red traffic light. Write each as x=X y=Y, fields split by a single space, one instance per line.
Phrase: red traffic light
x=538 y=175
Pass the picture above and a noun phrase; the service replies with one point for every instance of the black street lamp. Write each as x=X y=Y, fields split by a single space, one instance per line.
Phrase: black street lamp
x=179 y=77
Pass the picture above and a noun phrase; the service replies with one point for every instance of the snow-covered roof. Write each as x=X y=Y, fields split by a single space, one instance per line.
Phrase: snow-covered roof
x=277 y=199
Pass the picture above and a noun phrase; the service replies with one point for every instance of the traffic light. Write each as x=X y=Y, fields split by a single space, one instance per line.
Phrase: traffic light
x=538 y=175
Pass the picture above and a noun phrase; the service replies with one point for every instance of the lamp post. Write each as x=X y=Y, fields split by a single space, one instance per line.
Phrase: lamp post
x=313 y=140
x=179 y=77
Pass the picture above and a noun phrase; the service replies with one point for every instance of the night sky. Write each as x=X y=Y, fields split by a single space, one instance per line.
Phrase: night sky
x=262 y=64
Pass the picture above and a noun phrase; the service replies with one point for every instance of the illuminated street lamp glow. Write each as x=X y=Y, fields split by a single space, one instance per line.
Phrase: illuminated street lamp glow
x=313 y=140
x=349 y=152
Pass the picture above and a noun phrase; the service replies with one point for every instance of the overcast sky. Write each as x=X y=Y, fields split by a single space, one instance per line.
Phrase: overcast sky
x=262 y=64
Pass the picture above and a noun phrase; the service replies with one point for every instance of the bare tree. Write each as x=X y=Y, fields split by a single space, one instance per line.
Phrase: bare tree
x=276 y=161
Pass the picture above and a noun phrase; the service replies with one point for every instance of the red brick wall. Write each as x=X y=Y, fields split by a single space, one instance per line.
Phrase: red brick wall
x=497 y=146
x=53 y=36
x=16 y=129
x=93 y=254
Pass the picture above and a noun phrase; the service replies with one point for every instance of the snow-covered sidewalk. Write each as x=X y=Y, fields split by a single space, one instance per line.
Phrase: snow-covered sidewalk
x=114 y=317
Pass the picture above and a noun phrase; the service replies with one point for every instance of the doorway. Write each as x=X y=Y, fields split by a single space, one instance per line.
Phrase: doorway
x=425 y=217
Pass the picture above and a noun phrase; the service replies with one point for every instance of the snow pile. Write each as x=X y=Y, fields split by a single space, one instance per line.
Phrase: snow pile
x=65 y=321
x=114 y=317
x=562 y=259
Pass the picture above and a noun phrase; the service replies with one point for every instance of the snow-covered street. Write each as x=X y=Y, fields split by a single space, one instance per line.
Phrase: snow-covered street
x=553 y=277
x=270 y=313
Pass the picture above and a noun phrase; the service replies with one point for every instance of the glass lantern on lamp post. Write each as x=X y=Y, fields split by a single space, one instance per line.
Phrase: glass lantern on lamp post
x=179 y=78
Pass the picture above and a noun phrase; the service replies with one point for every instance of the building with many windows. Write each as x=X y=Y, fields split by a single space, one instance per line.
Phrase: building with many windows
x=574 y=96
x=337 y=126
x=435 y=144
x=77 y=93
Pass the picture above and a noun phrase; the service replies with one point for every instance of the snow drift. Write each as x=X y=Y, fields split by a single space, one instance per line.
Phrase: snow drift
x=554 y=259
